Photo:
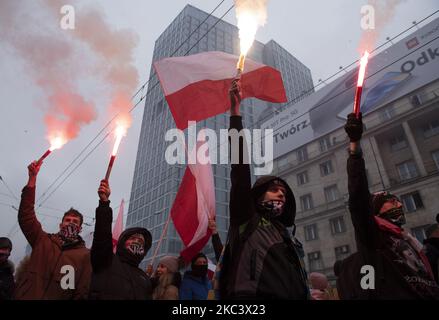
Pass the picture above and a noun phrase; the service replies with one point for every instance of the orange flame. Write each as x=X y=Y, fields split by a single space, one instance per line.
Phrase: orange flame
x=120 y=132
x=250 y=14
x=56 y=142
x=361 y=73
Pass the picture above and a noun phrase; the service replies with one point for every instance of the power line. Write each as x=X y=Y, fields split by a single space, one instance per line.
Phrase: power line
x=9 y=189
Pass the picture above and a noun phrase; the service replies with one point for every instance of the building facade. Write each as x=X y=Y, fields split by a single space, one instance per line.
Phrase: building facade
x=401 y=151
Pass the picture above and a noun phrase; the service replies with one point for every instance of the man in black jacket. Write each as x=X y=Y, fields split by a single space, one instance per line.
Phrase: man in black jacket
x=260 y=260
x=7 y=283
x=401 y=269
x=117 y=276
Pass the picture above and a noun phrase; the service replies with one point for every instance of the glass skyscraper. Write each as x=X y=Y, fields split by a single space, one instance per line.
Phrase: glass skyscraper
x=156 y=183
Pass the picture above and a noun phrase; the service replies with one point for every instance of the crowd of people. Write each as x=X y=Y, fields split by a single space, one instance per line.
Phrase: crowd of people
x=260 y=259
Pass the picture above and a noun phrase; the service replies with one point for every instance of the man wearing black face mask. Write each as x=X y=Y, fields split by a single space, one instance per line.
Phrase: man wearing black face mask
x=260 y=260
x=52 y=252
x=401 y=269
x=195 y=284
x=117 y=276
x=7 y=284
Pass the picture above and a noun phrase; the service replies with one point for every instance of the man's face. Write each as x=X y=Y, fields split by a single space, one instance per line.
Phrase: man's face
x=4 y=254
x=390 y=204
x=71 y=219
x=393 y=212
x=275 y=192
x=201 y=261
x=135 y=239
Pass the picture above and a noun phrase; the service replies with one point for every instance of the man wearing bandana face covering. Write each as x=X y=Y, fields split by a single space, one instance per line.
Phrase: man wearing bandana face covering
x=50 y=252
x=401 y=269
x=260 y=260
x=117 y=276
x=195 y=284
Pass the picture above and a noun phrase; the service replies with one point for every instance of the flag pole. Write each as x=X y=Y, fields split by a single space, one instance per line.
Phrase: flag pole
x=161 y=239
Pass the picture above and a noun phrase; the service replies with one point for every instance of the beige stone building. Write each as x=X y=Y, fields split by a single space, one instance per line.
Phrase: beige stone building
x=401 y=150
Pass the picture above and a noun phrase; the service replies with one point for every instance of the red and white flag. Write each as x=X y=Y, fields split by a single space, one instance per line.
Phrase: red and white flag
x=194 y=204
x=196 y=87
x=118 y=226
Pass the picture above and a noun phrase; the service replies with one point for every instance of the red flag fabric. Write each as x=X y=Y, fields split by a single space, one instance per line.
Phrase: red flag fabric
x=118 y=226
x=196 y=87
x=194 y=204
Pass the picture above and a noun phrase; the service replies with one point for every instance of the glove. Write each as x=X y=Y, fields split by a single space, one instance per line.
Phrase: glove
x=354 y=127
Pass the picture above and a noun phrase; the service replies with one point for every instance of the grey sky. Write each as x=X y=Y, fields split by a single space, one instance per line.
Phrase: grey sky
x=323 y=34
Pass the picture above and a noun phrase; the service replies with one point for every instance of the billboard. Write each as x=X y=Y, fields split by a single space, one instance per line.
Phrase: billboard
x=402 y=68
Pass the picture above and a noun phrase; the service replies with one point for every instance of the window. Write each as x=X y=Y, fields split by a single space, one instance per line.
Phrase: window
x=412 y=201
x=325 y=144
x=387 y=113
x=435 y=155
x=326 y=168
x=302 y=154
x=331 y=193
x=306 y=202
x=315 y=261
x=431 y=129
x=407 y=170
x=311 y=232
x=302 y=178
x=341 y=252
x=419 y=233
x=398 y=143
x=337 y=225
x=283 y=163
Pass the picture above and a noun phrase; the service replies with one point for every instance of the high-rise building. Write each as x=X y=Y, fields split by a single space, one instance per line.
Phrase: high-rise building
x=155 y=183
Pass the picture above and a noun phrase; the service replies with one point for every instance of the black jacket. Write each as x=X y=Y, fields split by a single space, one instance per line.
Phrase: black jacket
x=260 y=260
x=401 y=270
x=7 y=283
x=432 y=253
x=116 y=276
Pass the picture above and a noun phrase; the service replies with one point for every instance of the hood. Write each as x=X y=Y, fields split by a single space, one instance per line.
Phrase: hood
x=261 y=186
x=124 y=253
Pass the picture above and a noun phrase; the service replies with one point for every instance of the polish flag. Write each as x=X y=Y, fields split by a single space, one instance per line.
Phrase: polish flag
x=194 y=204
x=197 y=87
x=118 y=226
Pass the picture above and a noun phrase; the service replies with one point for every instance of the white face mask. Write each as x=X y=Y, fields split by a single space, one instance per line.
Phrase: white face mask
x=273 y=207
x=136 y=249
x=69 y=231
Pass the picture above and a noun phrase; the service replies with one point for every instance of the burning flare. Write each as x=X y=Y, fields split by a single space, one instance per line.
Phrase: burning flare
x=120 y=132
x=57 y=142
x=361 y=73
x=250 y=14
x=363 y=64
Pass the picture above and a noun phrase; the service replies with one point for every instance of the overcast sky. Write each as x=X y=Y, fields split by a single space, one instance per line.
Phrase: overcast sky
x=323 y=34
